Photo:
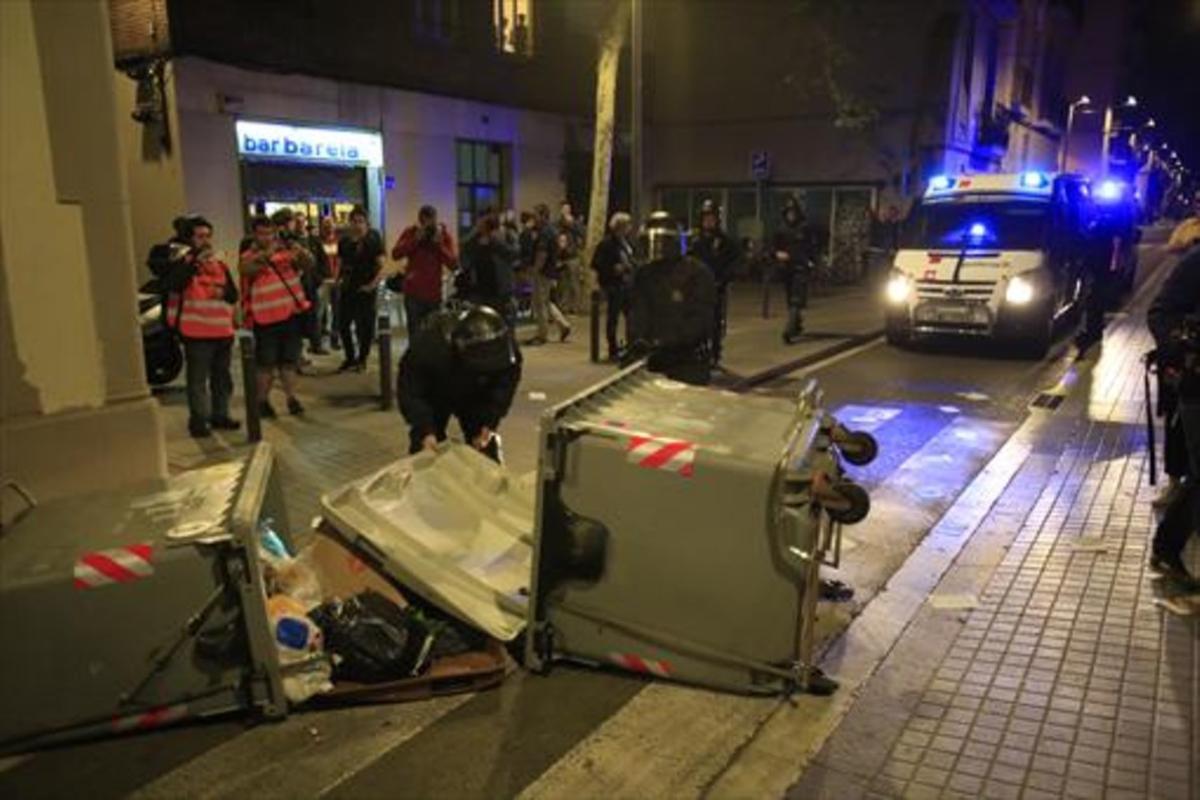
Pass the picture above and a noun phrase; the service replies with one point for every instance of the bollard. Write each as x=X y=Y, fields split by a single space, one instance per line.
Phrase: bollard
x=250 y=386
x=766 y=292
x=594 y=331
x=387 y=391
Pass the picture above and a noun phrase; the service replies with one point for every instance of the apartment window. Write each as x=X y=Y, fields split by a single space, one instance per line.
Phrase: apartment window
x=436 y=19
x=514 y=26
x=482 y=179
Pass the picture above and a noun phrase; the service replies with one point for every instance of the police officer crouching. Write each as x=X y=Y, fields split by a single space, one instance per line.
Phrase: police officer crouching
x=463 y=364
x=671 y=312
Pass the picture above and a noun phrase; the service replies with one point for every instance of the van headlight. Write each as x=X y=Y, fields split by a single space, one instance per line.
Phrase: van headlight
x=899 y=288
x=1019 y=291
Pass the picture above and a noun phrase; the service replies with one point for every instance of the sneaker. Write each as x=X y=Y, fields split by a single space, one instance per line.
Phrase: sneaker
x=294 y=407
x=565 y=334
x=199 y=429
x=347 y=365
x=1167 y=494
x=225 y=423
x=266 y=410
x=1171 y=569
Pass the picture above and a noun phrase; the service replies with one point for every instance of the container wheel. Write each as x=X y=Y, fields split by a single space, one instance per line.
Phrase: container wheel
x=859 y=448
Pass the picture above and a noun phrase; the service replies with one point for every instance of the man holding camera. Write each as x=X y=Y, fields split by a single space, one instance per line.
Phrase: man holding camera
x=427 y=252
x=361 y=255
x=201 y=297
x=1174 y=319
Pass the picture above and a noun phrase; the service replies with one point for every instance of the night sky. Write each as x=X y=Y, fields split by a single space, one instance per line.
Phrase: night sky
x=1165 y=71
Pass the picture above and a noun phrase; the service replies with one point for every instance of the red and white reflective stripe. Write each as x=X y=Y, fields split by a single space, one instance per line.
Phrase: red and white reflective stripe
x=669 y=455
x=646 y=666
x=154 y=718
x=119 y=565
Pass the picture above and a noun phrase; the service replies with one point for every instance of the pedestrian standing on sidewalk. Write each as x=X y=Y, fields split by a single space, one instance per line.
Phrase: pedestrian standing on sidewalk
x=462 y=364
x=719 y=253
x=795 y=255
x=1174 y=319
x=543 y=240
x=361 y=256
x=488 y=255
x=427 y=251
x=571 y=236
x=313 y=279
x=327 y=296
x=613 y=264
x=273 y=305
x=201 y=300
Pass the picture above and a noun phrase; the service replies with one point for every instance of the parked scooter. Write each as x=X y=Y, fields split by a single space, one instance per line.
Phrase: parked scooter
x=160 y=345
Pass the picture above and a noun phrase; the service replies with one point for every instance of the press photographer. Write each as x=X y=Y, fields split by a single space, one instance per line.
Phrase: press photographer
x=1174 y=319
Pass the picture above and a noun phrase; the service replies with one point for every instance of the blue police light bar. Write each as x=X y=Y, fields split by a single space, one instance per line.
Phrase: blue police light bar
x=1034 y=180
x=1110 y=190
x=940 y=183
x=978 y=230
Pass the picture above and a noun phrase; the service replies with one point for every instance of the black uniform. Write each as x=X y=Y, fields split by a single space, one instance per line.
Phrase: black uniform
x=671 y=317
x=434 y=384
x=488 y=271
x=613 y=264
x=1177 y=308
x=799 y=242
x=719 y=253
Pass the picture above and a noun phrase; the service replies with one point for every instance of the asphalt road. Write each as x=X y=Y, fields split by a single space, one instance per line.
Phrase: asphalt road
x=939 y=413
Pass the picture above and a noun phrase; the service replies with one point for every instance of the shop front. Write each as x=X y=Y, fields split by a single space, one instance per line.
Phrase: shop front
x=321 y=171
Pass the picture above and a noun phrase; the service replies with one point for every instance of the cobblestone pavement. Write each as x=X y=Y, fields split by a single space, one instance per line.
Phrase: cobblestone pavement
x=1062 y=677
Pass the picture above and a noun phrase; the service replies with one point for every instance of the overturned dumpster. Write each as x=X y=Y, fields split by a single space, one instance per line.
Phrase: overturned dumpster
x=131 y=610
x=668 y=530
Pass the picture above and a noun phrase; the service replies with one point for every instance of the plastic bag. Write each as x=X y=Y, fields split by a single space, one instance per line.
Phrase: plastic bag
x=373 y=639
x=305 y=666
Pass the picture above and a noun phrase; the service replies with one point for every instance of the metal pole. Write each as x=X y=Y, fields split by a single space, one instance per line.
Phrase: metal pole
x=1104 y=146
x=387 y=391
x=1066 y=148
x=635 y=134
x=250 y=387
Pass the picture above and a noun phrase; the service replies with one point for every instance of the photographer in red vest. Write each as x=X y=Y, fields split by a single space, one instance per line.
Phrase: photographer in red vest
x=201 y=298
x=274 y=304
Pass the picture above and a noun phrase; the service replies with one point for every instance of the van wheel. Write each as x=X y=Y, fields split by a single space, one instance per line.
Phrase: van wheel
x=1035 y=345
x=897 y=335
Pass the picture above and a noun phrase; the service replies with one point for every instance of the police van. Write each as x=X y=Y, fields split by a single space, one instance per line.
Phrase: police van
x=992 y=256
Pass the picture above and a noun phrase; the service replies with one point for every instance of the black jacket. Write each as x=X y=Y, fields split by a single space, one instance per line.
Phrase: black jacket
x=1177 y=301
x=434 y=385
x=613 y=262
x=672 y=305
x=799 y=242
x=718 y=252
x=488 y=267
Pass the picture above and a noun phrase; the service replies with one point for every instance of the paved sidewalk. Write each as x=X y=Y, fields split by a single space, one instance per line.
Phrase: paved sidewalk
x=1042 y=666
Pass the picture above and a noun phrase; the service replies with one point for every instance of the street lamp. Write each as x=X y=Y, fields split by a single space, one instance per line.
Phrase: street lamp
x=1130 y=102
x=1083 y=102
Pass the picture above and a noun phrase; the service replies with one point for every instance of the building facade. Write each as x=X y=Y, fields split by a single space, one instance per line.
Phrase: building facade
x=459 y=104
x=847 y=106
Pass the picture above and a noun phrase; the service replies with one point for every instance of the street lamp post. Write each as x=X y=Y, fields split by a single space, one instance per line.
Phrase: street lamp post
x=636 y=132
x=1066 y=148
x=1130 y=102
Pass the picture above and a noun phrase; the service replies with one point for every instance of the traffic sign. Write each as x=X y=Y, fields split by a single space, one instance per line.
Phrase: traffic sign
x=760 y=165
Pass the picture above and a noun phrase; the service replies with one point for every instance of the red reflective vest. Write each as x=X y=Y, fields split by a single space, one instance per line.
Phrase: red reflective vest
x=200 y=310
x=274 y=293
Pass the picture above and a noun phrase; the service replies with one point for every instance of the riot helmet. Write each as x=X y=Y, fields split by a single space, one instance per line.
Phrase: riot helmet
x=662 y=237
x=709 y=208
x=482 y=341
x=792 y=213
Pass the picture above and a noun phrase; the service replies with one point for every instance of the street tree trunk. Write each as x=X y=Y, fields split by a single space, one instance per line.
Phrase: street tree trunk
x=608 y=60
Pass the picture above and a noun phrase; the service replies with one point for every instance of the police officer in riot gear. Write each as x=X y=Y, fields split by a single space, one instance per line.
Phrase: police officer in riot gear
x=795 y=254
x=719 y=253
x=1174 y=319
x=464 y=364
x=671 y=313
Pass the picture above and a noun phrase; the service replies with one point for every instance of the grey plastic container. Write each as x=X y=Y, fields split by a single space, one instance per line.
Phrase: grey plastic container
x=680 y=532
x=101 y=598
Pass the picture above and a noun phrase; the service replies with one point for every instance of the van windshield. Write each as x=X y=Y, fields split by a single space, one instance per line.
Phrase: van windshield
x=986 y=223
